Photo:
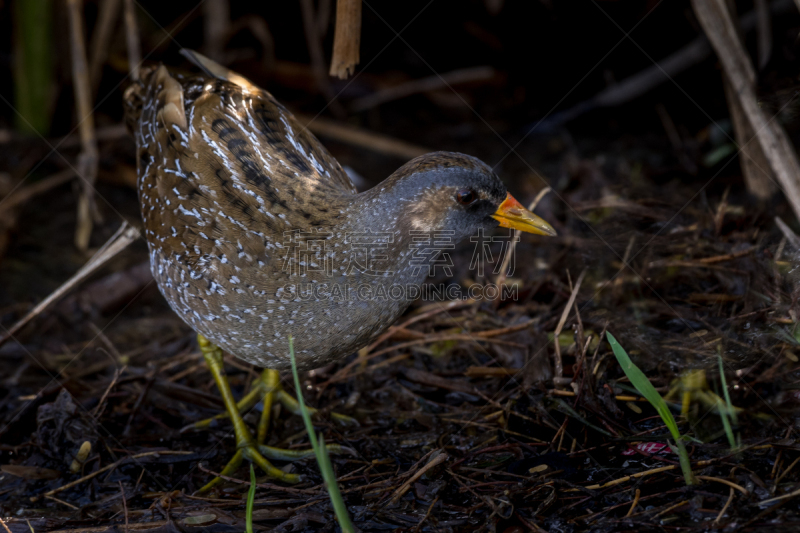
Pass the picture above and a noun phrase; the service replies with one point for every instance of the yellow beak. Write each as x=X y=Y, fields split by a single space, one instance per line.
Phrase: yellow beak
x=512 y=214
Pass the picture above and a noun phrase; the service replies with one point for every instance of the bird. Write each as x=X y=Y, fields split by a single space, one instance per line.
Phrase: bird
x=258 y=239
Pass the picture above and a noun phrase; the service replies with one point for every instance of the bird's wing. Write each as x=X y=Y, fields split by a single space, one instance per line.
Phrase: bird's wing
x=218 y=159
x=281 y=130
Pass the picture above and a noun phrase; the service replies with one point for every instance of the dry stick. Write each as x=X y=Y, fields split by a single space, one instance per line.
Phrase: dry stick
x=650 y=472
x=674 y=137
x=782 y=474
x=360 y=137
x=785 y=496
x=437 y=459
x=423 y=85
x=643 y=81
x=346 y=38
x=559 y=366
x=155 y=525
x=653 y=76
x=672 y=508
x=2 y=523
x=103 y=30
x=722 y=208
x=621 y=480
x=132 y=40
x=449 y=306
x=616 y=285
x=87 y=159
x=501 y=277
x=726 y=257
x=103 y=133
x=731 y=484
x=427 y=514
x=754 y=162
x=314 y=44
x=635 y=502
x=21 y=196
x=119 y=241
x=363 y=358
x=124 y=504
x=62 y=502
x=721 y=31
x=117 y=374
x=791 y=236
x=725 y=507
x=104 y=469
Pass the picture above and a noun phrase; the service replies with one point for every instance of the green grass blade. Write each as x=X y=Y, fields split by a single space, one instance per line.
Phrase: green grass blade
x=33 y=64
x=251 y=498
x=333 y=488
x=321 y=452
x=727 y=410
x=306 y=415
x=646 y=389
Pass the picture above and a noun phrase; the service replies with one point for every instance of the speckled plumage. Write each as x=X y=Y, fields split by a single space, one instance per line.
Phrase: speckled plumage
x=231 y=183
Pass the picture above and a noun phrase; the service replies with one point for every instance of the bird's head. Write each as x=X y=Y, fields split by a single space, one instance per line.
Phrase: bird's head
x=451 y=192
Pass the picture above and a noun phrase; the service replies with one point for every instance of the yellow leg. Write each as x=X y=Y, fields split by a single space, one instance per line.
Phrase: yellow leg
x=294 y=406
x=246 y=447
x=267 y=388
x=270 y=382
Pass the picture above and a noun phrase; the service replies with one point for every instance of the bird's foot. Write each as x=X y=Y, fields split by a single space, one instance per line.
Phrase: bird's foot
x=246 y=447
x=267 y=388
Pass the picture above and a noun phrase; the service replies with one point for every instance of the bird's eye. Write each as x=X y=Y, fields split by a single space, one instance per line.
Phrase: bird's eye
x=466 y=196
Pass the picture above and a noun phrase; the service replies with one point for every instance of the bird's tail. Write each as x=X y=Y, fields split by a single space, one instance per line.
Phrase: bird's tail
x=135 y=94
x=215 y=70
x=133 y=98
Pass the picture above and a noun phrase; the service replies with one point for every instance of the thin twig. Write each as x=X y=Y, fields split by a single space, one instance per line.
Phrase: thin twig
x=22 y=195
x=501 y=276
x=423 y=85
x=634 y=503
x=314 y=43
x=88 y=158
x=436 y=459
x=718 y=24
x=119 y=241
x=791 y=236
x=362 y=138
x=99 y=408
x=124 y=504
x=778 y=498
x=132 y=40
x=427 y=513
x=725 y=507
x=104 y=469
x=103 y=30
x=731 y=484
x=559 y=366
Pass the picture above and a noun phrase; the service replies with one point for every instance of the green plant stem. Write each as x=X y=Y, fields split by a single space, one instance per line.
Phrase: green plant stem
x=33 y=65
x=251 y=498
x=321 y=452
x=646 y=389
